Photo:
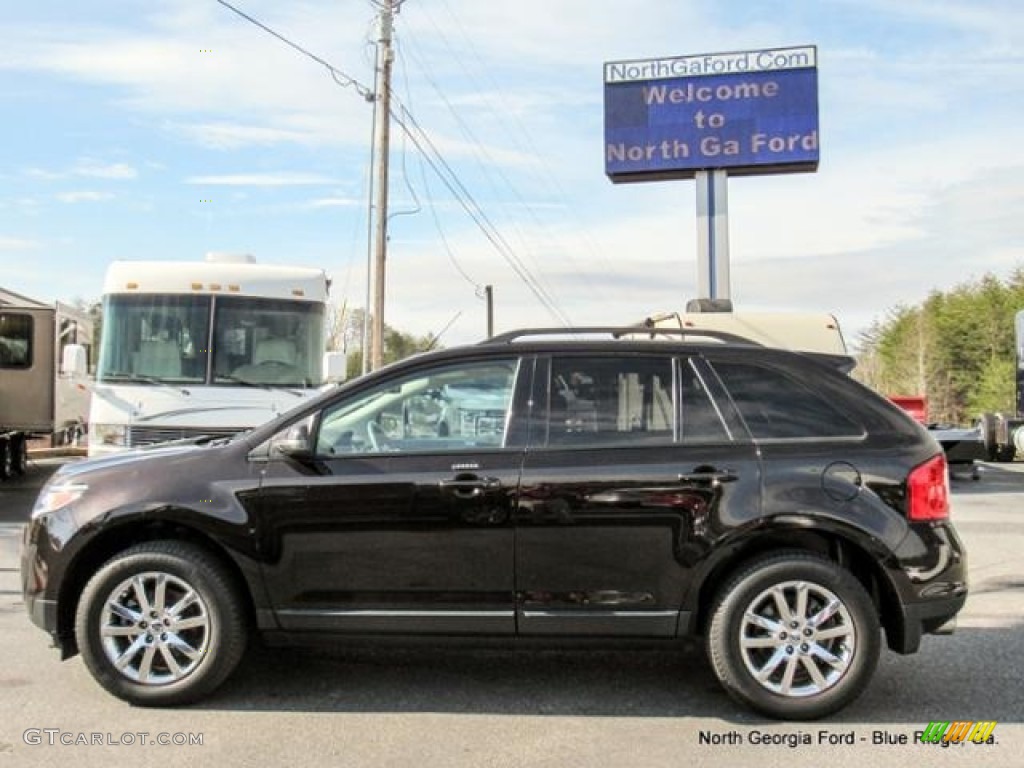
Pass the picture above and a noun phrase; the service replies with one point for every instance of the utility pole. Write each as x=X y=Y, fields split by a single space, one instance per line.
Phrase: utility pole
x=489 y=296
x=382 y=138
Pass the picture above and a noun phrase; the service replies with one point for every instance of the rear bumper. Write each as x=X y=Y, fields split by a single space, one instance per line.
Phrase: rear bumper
x=934 y=617
x=931 y=585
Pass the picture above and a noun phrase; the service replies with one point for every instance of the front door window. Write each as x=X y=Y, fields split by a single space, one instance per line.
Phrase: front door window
x=450 y=409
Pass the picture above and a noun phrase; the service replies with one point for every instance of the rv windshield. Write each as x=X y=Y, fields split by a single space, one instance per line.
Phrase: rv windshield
x=167 y=338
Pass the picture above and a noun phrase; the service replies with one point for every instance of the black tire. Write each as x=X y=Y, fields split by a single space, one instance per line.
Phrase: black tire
x=190 y=651
x=20 y=462
x=6 y=458
x=1006 y=453
x=853 y=637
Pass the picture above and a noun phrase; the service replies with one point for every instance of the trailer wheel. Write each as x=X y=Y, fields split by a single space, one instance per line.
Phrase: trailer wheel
x=1005 y=453
x=20 y=455
x=6 y=459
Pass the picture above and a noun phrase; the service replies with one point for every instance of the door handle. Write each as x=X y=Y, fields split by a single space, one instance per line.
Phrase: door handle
x=711 y=476
x=469 y=487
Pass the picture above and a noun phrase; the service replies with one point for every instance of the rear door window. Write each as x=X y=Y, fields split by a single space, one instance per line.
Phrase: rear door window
x=597 y=401
x=776 y=405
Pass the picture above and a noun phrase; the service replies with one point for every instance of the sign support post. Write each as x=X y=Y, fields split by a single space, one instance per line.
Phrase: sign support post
x=713 y=235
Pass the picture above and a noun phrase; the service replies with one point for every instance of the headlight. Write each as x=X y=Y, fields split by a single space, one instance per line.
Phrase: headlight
x=57 y=497
x=107 y=434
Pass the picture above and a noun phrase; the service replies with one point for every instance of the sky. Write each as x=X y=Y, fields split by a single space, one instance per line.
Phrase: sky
x=171 y=128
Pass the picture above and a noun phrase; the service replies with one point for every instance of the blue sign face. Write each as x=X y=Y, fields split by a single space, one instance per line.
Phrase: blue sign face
x=747 y=122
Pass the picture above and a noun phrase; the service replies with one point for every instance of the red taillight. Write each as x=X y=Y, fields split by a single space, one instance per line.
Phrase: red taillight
x=928 y=490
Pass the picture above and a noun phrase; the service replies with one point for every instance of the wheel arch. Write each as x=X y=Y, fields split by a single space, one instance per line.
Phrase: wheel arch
x=838 y=546
x=107 y=544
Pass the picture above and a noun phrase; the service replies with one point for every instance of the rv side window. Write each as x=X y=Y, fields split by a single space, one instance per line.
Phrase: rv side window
x=15 y=340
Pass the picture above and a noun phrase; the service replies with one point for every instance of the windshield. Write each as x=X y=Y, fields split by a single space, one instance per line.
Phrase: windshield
x=268 y=341
x=168 y=339
x=160 y=338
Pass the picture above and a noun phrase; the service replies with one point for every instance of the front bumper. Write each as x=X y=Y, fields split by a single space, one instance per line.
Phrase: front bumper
x=43 y=613
x=42 y=610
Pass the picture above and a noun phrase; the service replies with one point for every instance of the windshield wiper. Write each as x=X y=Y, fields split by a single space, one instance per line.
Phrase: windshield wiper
x=115 y=377
x=257 y=384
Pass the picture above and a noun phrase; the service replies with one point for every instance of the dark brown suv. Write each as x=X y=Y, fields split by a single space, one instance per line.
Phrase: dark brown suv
x=530 y=486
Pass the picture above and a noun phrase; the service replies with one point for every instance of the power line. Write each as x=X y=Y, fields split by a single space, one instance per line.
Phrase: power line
x=340 y=77
x=436 y=162
x=486 y=163
x=477 y=288
x=451 y=180
x=480 y=75
x=440 y=232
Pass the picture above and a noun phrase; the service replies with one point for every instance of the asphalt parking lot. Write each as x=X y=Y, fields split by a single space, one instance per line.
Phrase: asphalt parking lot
x=458 y=707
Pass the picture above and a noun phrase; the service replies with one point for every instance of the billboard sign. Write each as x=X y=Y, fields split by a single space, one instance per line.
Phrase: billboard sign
x=748 y=112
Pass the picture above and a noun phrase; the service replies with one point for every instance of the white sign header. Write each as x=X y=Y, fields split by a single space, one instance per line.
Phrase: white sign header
x=766 y=60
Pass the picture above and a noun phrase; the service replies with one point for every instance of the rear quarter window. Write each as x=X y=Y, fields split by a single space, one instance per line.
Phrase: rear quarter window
x=777 y=405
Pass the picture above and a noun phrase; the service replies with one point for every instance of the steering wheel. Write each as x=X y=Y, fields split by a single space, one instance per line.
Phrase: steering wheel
x=376 y=435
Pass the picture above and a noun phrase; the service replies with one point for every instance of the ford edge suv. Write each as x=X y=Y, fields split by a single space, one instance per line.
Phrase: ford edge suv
x=559 y=488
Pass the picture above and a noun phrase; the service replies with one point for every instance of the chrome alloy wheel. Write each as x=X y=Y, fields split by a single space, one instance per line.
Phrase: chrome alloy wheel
x=155 y=628
x=797 y=639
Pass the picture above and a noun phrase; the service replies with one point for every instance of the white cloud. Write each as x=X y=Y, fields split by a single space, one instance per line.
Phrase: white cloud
x=227 y=135
x=43 y=175
x=83 y=196
x=86 y=168
x=18 y=244
x=336 y=202
x=281 y=179
x=94 y=169
x=998 y=21
x=187 y=59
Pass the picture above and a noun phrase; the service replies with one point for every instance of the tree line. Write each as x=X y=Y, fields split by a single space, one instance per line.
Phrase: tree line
x=344 y=333
x=956 y=348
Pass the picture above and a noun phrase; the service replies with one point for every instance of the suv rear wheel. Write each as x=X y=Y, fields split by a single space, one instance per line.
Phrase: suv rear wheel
x=794 y=636
x=161 y=624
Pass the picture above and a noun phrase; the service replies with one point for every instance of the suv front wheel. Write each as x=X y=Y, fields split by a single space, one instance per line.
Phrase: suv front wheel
x=794 y=636
x=161 y=624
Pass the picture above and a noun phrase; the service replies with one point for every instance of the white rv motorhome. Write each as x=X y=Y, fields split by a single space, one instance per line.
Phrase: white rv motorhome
x=44 y=351
x=209 y=347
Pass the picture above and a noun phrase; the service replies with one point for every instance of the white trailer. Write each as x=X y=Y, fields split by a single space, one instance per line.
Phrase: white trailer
x=44 y=351
x=208 y=347
x=800 y=331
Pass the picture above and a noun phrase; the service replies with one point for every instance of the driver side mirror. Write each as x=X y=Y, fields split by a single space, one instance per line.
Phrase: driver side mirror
x=293 y=444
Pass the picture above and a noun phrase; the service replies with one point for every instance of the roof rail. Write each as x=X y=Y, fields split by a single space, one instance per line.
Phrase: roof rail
x=618 y=331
